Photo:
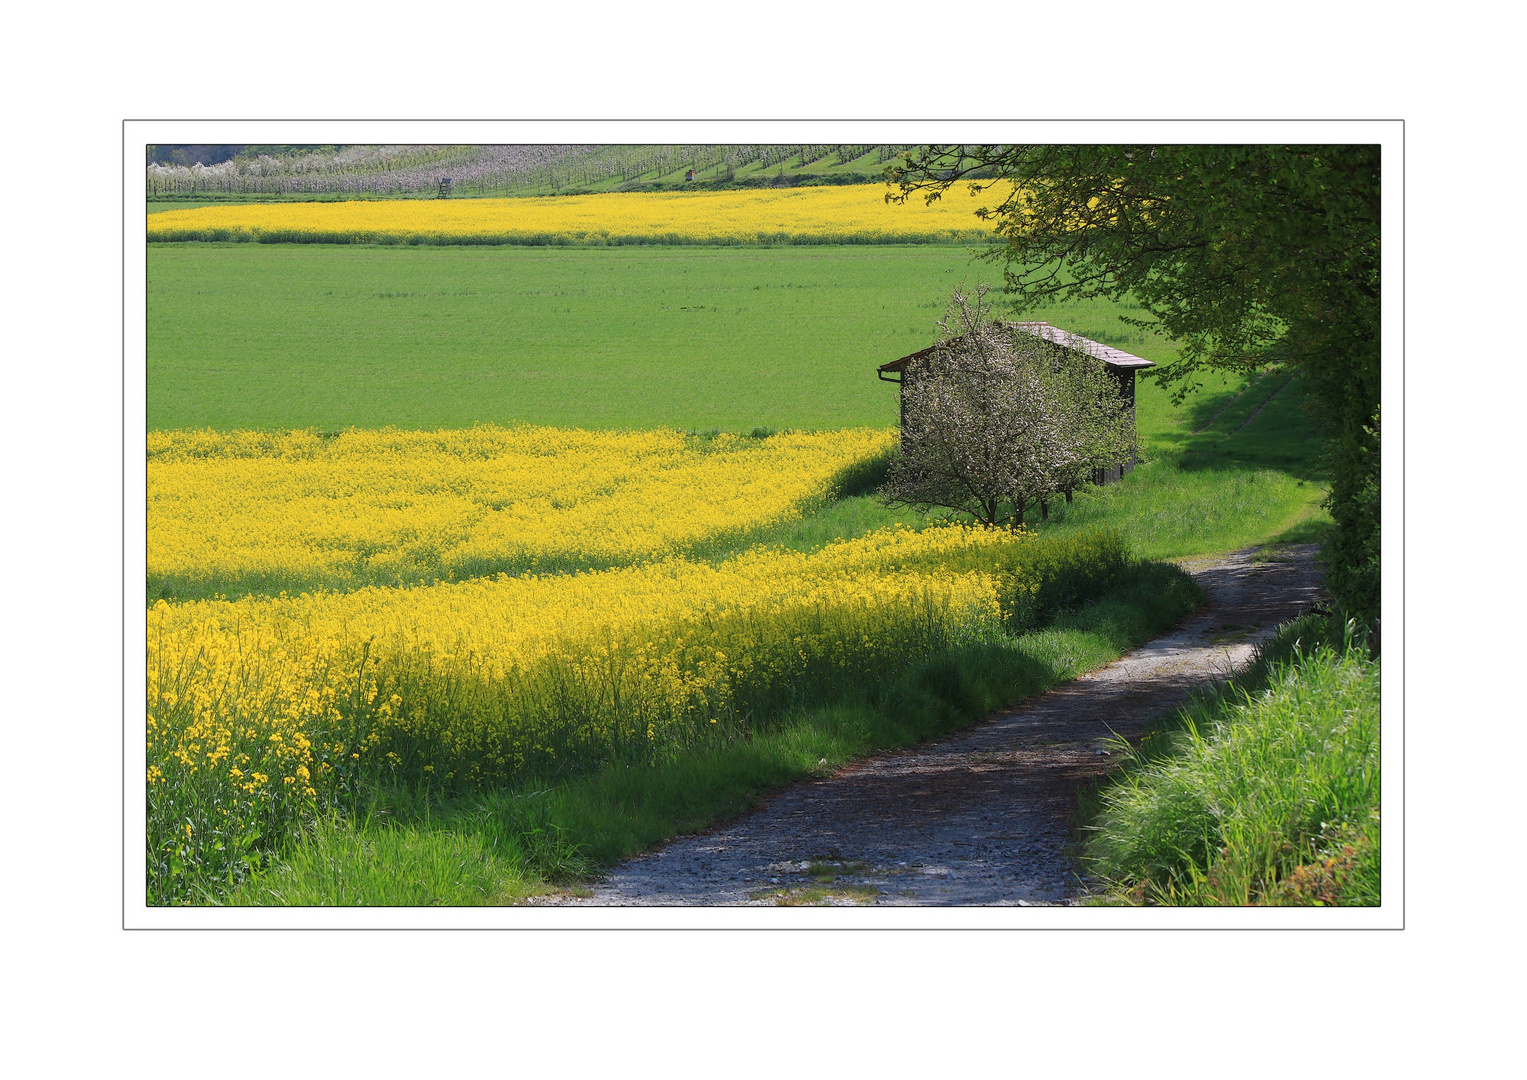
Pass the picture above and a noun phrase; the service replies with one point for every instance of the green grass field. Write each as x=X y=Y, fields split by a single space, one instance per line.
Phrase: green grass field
x=278 y=336
x=1249 y=475
x=297 y=335
x=273 y=336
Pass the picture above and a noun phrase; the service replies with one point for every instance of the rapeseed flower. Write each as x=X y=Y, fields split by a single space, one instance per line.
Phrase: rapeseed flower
x=238 y=510
x=853 y=213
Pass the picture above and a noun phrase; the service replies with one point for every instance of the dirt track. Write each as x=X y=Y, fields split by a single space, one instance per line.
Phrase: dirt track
x=980 y=819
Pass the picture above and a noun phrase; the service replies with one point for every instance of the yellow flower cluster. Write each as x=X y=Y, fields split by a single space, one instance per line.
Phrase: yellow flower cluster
x=842 y=214
x=294 y=510
x=263 y=710
x=504 y=622
x=260 y=708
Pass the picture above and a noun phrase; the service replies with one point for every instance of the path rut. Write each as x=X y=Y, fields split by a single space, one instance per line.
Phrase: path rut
x=982 y=818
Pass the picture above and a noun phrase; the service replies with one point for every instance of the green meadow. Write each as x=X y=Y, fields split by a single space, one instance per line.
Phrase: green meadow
x=330 y=336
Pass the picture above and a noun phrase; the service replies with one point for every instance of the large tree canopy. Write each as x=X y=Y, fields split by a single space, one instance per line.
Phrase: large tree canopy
x=1249 y=256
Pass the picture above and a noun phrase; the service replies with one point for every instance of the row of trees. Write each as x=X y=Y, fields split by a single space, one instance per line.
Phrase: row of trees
x=365 y=170
x=997 y=421
x=405 y=170
x=189 y=154
x=1252 y=257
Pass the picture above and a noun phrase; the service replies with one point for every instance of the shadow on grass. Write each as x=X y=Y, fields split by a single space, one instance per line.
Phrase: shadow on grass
x=1263 y=426
x=1312 y=530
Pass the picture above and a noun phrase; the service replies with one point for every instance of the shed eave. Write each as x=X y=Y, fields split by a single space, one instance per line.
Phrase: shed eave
x=1114 y=358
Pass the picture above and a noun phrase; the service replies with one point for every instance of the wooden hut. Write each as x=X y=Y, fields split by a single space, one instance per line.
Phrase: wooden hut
x=1120 y=364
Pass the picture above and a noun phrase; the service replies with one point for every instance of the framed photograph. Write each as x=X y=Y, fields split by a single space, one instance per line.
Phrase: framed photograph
x=761 y=525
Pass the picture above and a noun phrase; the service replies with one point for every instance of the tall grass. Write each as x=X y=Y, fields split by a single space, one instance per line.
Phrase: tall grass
x=1263 y=791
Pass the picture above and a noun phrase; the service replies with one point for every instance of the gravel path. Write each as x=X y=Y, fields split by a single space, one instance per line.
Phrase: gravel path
x=980 y=819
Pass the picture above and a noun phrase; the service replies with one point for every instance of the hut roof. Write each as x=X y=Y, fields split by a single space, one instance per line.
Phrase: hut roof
x=1116 y=358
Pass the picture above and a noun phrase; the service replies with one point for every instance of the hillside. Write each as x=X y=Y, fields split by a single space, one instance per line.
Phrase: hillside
x=213 y=173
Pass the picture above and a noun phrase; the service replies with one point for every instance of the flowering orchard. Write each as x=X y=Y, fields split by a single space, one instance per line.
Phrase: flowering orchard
x=362 y=170
x=403 y=170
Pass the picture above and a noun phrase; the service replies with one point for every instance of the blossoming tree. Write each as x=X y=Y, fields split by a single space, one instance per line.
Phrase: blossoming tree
x=998 y=421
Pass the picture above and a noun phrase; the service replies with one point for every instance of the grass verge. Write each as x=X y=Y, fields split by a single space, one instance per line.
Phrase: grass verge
x=1165 y=512
x=405 y=846
x=1265 y=790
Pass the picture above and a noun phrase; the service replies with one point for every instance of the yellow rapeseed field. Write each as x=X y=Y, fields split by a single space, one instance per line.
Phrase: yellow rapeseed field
x=293 y=510
x=845 y=214
x=261 y=710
